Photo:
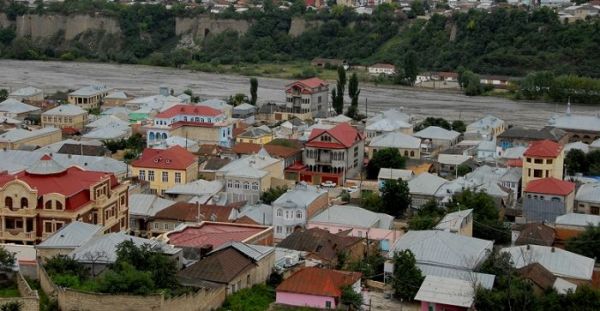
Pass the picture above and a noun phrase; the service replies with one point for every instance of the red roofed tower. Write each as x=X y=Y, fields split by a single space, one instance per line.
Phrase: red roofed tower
x=543 y=159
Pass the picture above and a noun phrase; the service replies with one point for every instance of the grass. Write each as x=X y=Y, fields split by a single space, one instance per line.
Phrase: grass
x=256 y=298
x=10 y=291
x=46 y=303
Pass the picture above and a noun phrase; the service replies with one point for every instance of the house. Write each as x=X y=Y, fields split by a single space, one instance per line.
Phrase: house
x=579 y=127
x=88 y=97
x=81 y=148
x=522 y=137
x=292 y=209
x=218 y=104
x=235 y=265
x=142 y=209
x=165 y=168
x=199 y=191
x=316 y=288
x=244 y=111
x=486 y=128
x=498 y=182
x=537 y=234
x=305 y=99
x=107 y=121
x=203 y=124
x=444 y=254
x=44 y=197
x=447 y=164
x=595 y=145
x=27 y=94
x=208 y=169
x=542 y=159
x=442 y=293
x=333 y=154
x=357 y=222
x=587 y=199
x=572 y=224
x=391 y=115
x=247 y=178
x=445 y=76
x=545 y=199
x=323 y=247
x=583 y=11
x=99 y=252
x=65 y=117
x=116 y=99
x=424 y=188
x=18 y=138
x=579 y=145
x=408 y=146
x=67 y=239
x=213 y=235
x=386 y=174
x=15 y=109
x=496 y=81
x=438 y=137
x=542 y=279
x=382 y=69
x=460 y=222
x=288 y=154
x=255 y=135
x=112 y=131
x=387 y=125
x=569 y=266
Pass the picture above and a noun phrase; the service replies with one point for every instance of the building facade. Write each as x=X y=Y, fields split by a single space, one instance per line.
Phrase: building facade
x=547 y=198
x=88 y=97
x=65 y=116
x=542 y=159
x=292 y=210
x=307 y=96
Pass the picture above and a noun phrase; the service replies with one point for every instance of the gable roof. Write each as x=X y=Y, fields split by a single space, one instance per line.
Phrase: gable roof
x=353 y=216
x=538 y=275
x=213 y=233
x=255 y=252
x=11 y=105
x=301 y=196
x=436 y=132
x=543 y=149
x=578 y=220
x=318 y=282
x=83 y=149
x=589 y=193
x=219 y=267
x=196 y=110
x=71 y=235
x=426 y=184
x=560 y=262
x=344 y=133
x=273 y=150
x=536 y=233
x=396 y=140
x=309 y=83
x=65 y=110
x=452 y=222
x=147 y=204
x=550 y=186
x=446 y=291
x=319 y=242
x=175 y=157
x=188 y=212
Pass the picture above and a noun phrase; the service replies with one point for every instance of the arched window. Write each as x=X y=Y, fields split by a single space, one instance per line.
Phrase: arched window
x=164 y=135
x=8 y=202
x=246 y=185
x=405 y=153
x=299 y=214
x=254 y=186
x=412 y=153
x=24 y=203
x=59 y=205
x=48 y=205
x=151 y=136
x=279 y=212
x=236 y=184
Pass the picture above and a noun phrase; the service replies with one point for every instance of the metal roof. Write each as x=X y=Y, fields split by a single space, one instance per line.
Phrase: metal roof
x=426 y=184
x=250 y=166
x=117 y=95
x=147 y=204
x=388 y=125
x=436 y=132
x=396 y=140
x=90 y=90
x=353 y=216
x=578 y=145
x=483 y=279
x=576 y=122
x=109 y=132
x=72 y=235
x=260 y=213
x=18 y=134
x=446 y=291
x=578 y=220
x=197 y=187
x=300 y=196
x=65 y=110
x=256 y=252
x=486 y=122
x=26 y=91
x=589 y=193
x=395 y=174
x=560 y=262
x=452 y=222
x=107 y=120
x=14 y=106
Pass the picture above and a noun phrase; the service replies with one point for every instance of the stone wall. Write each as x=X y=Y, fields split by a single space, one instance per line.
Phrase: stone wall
x=46 y=26
x=4 y=22
x=203 y=26
x=29 y=299
x=202 y=300
x=300 y=25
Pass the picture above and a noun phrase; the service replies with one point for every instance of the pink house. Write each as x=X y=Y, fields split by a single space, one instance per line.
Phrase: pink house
x=316 y=288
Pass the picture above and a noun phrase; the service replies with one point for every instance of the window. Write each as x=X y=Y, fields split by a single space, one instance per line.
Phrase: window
x=59 y=205
x=246 y=185
x=299 y=214
x=549 y=161
x=166 y=226
x=24 y=203
x=555 y=199
x=236 y=184
x=229 y=184
x=406 y=153
x=156 y=226
x=279 y=212
x=8 y=203
x=142 y=175
x=150 y=175
x=278 y=229
x=255 y=186
x=165 y=176
x=328 y=304
x=59 y=225
x=537 y=173
x=538 y=161
x=177 y=178
x=47 y=226
x=528 y=160
x=288 y=230
x=412 y=153
x=594 y=210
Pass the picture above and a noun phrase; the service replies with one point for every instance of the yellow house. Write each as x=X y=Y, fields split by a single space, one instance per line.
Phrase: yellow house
x=17 y=138
x=543 y=159
x=261 y=135
x=88 y=97
x=65 y=116
x=165 y=168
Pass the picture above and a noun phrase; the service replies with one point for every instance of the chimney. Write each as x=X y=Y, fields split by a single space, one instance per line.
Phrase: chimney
x=528 y=247
x=552 y=250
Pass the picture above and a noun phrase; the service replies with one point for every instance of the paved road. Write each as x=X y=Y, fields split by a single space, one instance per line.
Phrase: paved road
x=145 y=80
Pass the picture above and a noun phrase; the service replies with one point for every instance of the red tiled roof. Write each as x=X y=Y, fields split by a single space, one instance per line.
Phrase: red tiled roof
x=273 y=150
x=310 y=83
x=515 y=163
x=70 y=130
x=195 y=110
x=543 y=149
x=344 y=133
x=188 y=212
x=550 y=186
x=215 y=234
x=318 y=282
x=176 y=157
x=74 y=183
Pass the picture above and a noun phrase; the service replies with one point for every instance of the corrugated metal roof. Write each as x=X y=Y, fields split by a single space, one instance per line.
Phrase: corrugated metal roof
x=147 y=204
x=353 y=216
x=452 y=222
x=71 y=235
x=256 y=252
x=18 y=134
x=446 y=291
x=436 y=132
x=579 y=220
x=426 y=184
x=482 y=279
x=396 y=140
x=589 y=193
x=65 y=110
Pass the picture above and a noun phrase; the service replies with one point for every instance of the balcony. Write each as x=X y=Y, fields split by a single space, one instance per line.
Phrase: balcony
x=17 y=234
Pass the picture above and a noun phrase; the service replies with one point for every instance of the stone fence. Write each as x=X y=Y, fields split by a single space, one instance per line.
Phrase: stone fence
x=29 y=299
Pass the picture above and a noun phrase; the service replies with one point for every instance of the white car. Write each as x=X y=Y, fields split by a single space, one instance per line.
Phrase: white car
x=328 y=184
x=351 y=189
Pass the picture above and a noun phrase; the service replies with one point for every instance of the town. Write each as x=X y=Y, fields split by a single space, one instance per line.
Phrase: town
x=120 y=201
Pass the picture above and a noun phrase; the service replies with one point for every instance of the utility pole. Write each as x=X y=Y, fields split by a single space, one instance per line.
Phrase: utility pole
x=366 y=108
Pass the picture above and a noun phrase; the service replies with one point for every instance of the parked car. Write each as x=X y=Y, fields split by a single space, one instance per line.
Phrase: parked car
x=351 y=189
x=328 y=184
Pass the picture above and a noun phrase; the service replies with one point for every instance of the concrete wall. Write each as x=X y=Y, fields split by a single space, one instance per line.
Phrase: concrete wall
x=46 y=26
x=202 y=26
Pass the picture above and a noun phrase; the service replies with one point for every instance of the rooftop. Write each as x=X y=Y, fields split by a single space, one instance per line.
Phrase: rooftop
x=589 y=193
x=486 y=122
x=26 y=91
x=395 y=174
x=543 y=149
x=426 y=184
x=388 y=125
x=65 y=110
x=176 y=157
x=278 y=151
x=18 y=134
x=550 y=133
x=191 y=212
x=11 y=105
x=550 y=186
x=576 y=122
x=436 y=132
x=195 y=110
x=578 y=220
x=90 y=90
x=536 y=233
x=448 y=291
x=301 y=195
x=309 y=83
x=343 y=135
x=453 y=222
x=353 y=216
x=396 y=140
x=219 y=267
x=197 y=187
x=147 y=204
x=107 y=120
x=72 y=235
x=213 y=233
x=318 y=282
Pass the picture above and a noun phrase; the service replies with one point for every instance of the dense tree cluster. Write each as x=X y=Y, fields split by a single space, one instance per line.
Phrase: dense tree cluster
x=588 y=164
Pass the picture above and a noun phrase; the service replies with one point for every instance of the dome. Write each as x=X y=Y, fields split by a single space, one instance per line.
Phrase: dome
x=45 y=166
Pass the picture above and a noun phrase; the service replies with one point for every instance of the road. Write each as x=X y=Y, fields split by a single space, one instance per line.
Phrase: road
x=145 y=80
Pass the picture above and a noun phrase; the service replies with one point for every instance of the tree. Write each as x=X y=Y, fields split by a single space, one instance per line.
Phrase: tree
x=144 y=258
x=370 y=201
x=253 y=91
x=7 y=259
x=384 y=158
x=12 y=306
x=463 y=170
x=471 y=83
x=586 y=244
x=351 y=298
x=395 y=197
x=407 y=277
x=427 y=217
x=272 y=194
x=431 y=121
x=3 y=95
x=576 y=162
x=486 y=220
x=459 y=126
x=411 y=69
x=353 y=92
x=338 y=102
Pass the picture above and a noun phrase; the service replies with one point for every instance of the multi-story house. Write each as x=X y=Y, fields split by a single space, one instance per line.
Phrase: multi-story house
x=588 y=199
x=522 y=137
x=545 y=199
x=333 y=154
x=203 y=124
x=306 y=98
x=88 y=97
x=165 y=168
x=543 y=159
x=245 y=179
x=43 y=198
x=65 y=116
x=17 y=138
x=292 y=210
x=486 y=128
